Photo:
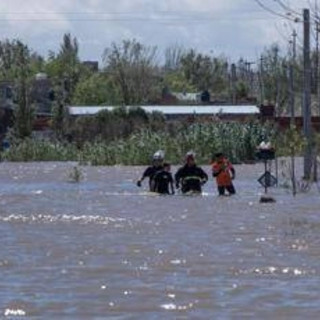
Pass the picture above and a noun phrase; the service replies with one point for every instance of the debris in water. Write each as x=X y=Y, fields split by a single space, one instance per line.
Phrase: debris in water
x=267 y=199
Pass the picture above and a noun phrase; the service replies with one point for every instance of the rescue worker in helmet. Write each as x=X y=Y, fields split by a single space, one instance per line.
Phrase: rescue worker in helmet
x=150 y=172
x=163 y=180
x=190 y=178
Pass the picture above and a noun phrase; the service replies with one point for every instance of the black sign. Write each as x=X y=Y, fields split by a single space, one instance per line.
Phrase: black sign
x=267 y=180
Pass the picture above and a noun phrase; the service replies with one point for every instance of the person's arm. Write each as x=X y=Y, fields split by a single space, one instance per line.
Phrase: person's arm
x=216 y=171
x=233 y=172
x=204 y=176
x=145 y=175
x=171 y=187
x=171 y=184
x=177 y=178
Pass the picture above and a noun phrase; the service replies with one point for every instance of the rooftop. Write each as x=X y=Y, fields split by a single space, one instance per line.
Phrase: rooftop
x=174 y=110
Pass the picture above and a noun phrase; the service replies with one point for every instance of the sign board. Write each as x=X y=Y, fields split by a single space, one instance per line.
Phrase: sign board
x=267 y=180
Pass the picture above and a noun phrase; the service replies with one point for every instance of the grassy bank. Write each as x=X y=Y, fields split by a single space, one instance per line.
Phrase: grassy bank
x=237 y=141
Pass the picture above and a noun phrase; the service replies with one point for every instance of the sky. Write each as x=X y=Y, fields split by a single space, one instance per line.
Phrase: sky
x=233 y=28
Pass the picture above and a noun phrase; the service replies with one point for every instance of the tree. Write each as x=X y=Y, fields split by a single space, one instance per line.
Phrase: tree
x=98 y=89
x=173 y=57
x=197 y=69
x=205 y=72
x=132 y=67
x=176 y=81
x=23 y=113
x=65 y=66
x=275 y=78
x=12 y=52
x=59 y=111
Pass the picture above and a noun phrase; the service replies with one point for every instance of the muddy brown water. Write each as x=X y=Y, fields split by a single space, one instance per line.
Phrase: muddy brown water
x=104 y=249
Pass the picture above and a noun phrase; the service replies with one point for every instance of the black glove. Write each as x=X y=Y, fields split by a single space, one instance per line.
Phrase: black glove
x=139 y=183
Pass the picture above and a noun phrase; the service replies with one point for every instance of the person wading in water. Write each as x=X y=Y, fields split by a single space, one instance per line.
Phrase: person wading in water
x=224 y=173
x=150 y=172
x=163 y=180
x=190 y=177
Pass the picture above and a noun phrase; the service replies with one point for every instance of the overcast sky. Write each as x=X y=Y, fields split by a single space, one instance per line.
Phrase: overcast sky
x=234 y=28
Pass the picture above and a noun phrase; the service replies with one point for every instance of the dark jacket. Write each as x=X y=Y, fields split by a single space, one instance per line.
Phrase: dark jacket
x=150 y=173
x=162 y=181
x=190 y=178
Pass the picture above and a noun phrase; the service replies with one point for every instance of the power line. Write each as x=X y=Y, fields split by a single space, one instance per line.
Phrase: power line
x=288 y=8
x=287 y=17
x=142 y=19
x=117 y=12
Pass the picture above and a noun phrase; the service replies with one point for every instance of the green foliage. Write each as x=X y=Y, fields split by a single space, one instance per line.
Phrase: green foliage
x=291 y=142
x=237 y=141
x=41 y=150
x=65 y=67
x=242 y=90
x=205 y=72
x=58 y=123
x=113 y=125
x=132 y=67
x=20 y=70
x=275 y=79
x=177 y=82
x=15 y=60
x=97 y=89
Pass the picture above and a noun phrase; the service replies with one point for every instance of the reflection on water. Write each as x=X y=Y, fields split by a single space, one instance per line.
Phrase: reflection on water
x=105 y=249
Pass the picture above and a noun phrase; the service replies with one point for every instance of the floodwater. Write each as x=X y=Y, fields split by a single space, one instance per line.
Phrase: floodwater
x=104 y=249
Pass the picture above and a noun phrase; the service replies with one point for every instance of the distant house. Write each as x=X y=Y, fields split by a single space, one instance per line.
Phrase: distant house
x=6 y=107
x=6 y=95
x=91 y=65
x=42 y=94
x=225 y=112
x=189 y=97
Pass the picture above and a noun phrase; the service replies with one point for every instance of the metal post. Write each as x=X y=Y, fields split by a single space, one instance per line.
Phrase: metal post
x=261 y=82
x=307 y=95
x=292 y=111
x=265 y=171
x=233 y=83
x=316 y=67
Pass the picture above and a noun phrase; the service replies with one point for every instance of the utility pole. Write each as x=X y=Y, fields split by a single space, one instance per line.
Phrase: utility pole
x=317 y=91
x=294 y=44
x=291 y=77
x=233 y=83
x=261 y=82
x=307 y=95
x=250 y=76
x=291 y=99
x=316 y=71
x=315 y=162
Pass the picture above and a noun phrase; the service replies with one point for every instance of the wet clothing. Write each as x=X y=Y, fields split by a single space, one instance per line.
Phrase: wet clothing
x=150 y=173
x=230 y=189
x=224 y=173
x=162 y=180
x=191 y=178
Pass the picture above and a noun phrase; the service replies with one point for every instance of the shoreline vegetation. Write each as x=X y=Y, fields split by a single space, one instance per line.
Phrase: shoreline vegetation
x=237 y=140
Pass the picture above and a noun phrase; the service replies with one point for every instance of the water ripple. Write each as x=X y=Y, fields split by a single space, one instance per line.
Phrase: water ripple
x=65 y=218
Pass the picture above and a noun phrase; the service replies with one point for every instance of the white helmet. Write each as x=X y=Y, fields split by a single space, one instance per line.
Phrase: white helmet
x=190 y=155
x=159 y=155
